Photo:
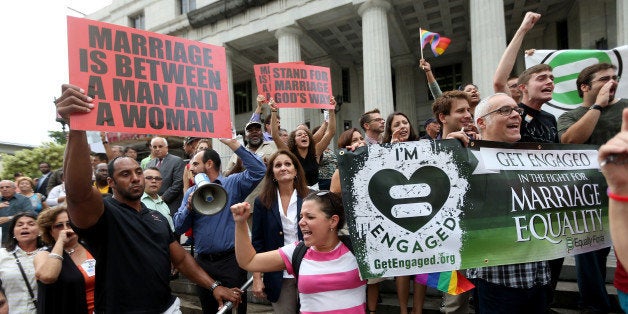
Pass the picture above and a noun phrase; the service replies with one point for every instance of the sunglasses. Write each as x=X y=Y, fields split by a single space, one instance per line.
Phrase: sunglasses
x=150 y=178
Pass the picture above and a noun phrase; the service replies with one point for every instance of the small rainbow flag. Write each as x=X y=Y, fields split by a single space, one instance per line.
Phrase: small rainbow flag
x=451 y=282
x=438 y=43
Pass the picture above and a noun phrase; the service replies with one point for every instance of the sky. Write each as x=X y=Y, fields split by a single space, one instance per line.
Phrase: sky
x=34 y=64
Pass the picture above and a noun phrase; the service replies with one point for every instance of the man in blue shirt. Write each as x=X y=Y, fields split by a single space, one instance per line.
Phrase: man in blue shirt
x=11 y=203
x=214 y=235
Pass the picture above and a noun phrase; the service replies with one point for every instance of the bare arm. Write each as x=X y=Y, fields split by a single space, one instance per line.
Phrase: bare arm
x=581 y=130
x=320 y=132
x=274 y=130
x=507 y=62
x=617 y=178
x=186 y=264
x=246 y=256
x=329 y=133
x=335 y=186
x=48 y=268
x=85 y=205
x=106 y=145
x=431 y=80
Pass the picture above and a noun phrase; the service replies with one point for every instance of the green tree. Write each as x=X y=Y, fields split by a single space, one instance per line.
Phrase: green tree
x=59 y=137
x=27 y=160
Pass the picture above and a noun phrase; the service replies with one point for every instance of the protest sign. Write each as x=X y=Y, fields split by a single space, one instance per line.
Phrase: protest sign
x=425 y=206
x=148 y=83
x=567 y=64
x=264 y=80
x=295 y=84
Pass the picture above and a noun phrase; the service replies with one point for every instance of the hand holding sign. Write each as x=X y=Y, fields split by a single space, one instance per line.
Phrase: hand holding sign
x=261 y=99
x=73 y=100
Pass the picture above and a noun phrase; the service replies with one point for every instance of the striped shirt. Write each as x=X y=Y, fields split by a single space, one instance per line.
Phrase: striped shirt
x=328 y=281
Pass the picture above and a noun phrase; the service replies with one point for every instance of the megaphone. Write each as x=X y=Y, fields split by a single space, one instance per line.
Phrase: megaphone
x=209 y=198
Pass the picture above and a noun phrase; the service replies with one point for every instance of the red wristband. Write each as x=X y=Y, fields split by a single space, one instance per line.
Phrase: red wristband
x=619 y=198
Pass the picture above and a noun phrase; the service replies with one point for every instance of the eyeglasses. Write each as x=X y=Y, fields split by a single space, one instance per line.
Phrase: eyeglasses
x=607 y=78
x=378 y=120
x=62 y=225
x=149 y=178
x=505 y=111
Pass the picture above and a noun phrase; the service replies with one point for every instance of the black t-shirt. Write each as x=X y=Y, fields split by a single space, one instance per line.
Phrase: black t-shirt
x=538 y=126
x=67 y=294
x=310 y=166
x=132 y=255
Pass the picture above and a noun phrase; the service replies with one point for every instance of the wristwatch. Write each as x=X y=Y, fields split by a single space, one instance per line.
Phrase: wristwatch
x=596 y=107
x=215 y=285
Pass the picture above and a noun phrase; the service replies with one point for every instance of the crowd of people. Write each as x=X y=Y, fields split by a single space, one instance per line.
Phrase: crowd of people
x=114 y=242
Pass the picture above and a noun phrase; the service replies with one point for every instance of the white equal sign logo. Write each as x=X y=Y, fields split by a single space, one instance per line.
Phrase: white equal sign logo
x=406 y=191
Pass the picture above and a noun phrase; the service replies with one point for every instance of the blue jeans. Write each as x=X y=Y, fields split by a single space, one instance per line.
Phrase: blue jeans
x=623 y=300
x=492 y=298
x=591 y=273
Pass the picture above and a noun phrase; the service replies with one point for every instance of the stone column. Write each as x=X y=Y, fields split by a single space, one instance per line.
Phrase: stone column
x=405 y=72
x=289 y=51
x=376 y=56
x=223 y=150
x=488 y=41
x=622 y=23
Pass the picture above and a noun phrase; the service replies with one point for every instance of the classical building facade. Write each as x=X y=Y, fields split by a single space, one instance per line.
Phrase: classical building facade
x=371 y=46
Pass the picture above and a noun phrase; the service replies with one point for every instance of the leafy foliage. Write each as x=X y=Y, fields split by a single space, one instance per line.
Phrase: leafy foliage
x=59 y=137
x=27 y=160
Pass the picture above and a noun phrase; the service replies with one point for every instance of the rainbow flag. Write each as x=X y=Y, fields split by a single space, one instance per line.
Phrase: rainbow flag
x=451 y=282
x=438 y=43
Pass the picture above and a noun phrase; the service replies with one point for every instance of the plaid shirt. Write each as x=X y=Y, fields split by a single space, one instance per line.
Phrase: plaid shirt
x=524 y=275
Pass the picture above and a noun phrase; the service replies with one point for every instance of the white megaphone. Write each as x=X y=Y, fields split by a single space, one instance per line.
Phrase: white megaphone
x=209 y=198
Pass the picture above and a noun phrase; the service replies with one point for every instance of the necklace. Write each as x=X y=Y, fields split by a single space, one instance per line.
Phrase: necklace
x=70 y=251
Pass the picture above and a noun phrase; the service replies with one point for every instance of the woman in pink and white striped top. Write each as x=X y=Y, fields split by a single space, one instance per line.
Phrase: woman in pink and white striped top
x=329 y=280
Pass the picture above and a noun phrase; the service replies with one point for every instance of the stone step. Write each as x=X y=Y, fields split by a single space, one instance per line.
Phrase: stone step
x=566 y=299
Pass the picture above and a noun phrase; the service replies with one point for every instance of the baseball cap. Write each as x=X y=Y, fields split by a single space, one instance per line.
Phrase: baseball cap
x=428 y=121
x=253 y=123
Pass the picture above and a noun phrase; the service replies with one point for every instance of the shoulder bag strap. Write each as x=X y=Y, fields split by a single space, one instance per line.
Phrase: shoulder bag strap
x=28 y=285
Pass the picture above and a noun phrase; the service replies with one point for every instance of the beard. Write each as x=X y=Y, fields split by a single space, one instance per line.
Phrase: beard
x=128 y=195
x=255 y=142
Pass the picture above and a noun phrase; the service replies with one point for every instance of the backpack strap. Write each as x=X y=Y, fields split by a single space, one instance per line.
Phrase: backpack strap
x=297 y=257
x=301 y=249
x=346 y=240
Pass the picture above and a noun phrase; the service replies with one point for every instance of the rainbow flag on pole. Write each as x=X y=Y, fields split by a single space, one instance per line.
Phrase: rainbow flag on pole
x=438 y=43
x=451 y=282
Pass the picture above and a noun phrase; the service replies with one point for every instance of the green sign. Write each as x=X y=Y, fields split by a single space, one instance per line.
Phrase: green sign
x=424 y=206
x=567 y=64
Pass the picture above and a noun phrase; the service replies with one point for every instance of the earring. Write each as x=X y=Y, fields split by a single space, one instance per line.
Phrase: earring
x=274 y=179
